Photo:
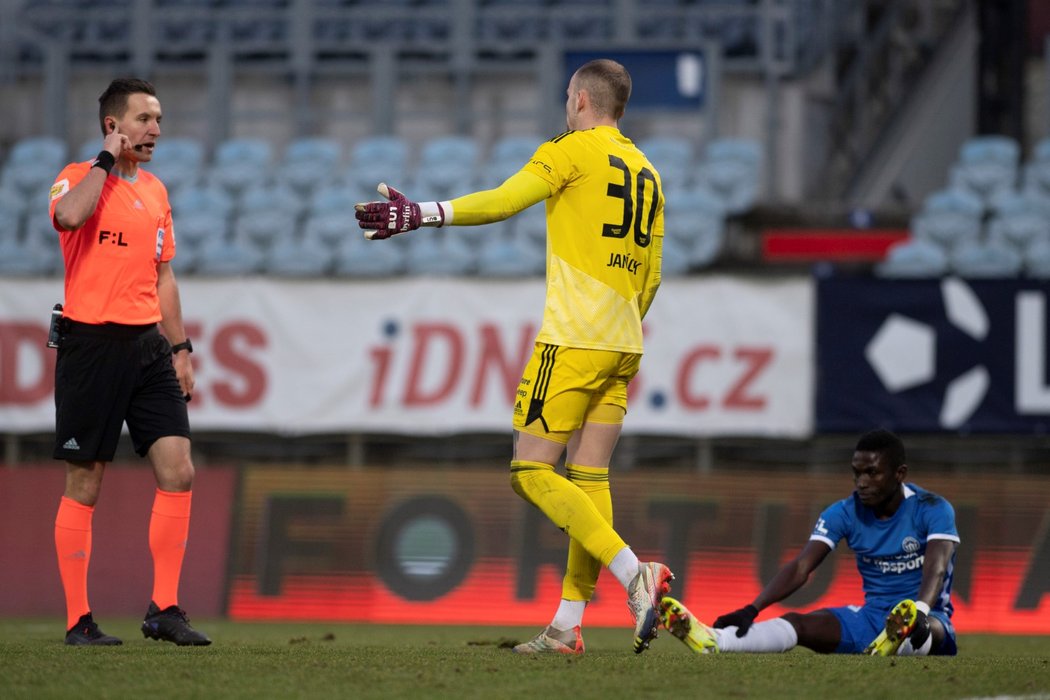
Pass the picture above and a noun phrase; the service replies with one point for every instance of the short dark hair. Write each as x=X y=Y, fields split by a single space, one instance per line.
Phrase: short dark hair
x=891 y=446
x=114 y=101
x=609 y=85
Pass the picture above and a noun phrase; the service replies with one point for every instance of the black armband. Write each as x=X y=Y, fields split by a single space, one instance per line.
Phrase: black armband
x=104 y=160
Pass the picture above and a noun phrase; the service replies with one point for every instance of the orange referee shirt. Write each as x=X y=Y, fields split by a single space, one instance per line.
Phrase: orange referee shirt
x=111 y=261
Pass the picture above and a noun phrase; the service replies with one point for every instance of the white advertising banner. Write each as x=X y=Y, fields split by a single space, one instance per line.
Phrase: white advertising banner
x=724 y=355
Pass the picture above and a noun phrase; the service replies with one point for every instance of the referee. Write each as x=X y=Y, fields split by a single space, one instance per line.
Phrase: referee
x=115 y=229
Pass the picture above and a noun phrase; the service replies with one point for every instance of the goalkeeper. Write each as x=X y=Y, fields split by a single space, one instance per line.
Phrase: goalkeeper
x=605 y=226
x=904 y=539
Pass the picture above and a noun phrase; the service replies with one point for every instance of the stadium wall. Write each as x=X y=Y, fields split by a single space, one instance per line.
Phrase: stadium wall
x=381 y=545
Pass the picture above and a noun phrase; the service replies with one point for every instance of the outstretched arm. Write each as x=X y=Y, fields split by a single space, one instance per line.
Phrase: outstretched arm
x=399 y=215
x=789 y=579
x=793 y=575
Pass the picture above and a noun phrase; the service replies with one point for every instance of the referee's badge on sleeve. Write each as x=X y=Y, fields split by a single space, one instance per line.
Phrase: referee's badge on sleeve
x=59 y=188
x=160 y=241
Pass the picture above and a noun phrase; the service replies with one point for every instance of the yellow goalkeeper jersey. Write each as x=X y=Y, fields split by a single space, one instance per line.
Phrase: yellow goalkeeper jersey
x=605 y=228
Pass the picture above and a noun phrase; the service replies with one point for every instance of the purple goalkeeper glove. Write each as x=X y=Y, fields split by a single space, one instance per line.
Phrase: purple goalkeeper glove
x=385 y=219
x=742 y=619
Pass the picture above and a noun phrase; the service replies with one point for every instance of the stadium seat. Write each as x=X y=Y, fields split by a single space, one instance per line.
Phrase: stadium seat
x=196 y=227
x=986 y=164
x=330 y=229
x=507 y=157
x=1041 y=152
x=377 y=159
x=338 y=198
x=299 y=257
x=178 y=162
x=228 y=256
x=12 y=208
x=441 y=252
x=1018 y=221
x=277 y=199
x=33 y=164
x=504 y=254
x=34 y=251
x=240 y=163
x=948 y=218
x=358 y=257
x=914 y=258
x=264 y=228
x=731 y=169
x=309 y=162
x=197 y=199
x=987 y=259
x=1037 y=260
x=673 y=158
x=447 y=165
x=694 y=225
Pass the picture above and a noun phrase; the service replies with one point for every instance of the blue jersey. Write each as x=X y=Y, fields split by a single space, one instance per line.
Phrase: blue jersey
x=890 y=552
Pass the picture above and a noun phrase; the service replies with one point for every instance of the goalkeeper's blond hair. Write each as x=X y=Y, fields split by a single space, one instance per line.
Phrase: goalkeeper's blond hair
x=609 y=85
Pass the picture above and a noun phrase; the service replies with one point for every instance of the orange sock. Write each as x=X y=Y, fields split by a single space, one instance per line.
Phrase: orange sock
x=73 y=545
x=168 y=529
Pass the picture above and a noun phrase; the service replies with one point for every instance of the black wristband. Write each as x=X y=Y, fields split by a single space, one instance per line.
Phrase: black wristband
x=104 y=160
x=184 y=345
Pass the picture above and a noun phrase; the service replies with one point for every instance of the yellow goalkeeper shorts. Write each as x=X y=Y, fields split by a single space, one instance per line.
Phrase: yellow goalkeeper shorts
x=563 y=387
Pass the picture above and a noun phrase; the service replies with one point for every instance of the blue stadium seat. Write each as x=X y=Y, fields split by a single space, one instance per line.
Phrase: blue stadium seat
x=1018 y=221
x=228 y=256
x=33 y=164
x=949 y=217
x=12 y=208
x=447 y=165
x=1041 y=152
x=276 y=199
x=309 y=162
x=358 y=257
x=377 y=159
x=673 y=158
x=914 y=258
x=178 y=162
x=240 y=163
x=1037 y=260
x=197 y=199
x=694 y=226
x=331 y=229
x=339 y=198
x=986 y=259
x=440 y=251
x=732 y=168
x=531 y=224
x=987 y=164
x=505 y=254
x=299 y=257
x=264 y=228
x=196 y=227
x=507 y=157
x=35 y=251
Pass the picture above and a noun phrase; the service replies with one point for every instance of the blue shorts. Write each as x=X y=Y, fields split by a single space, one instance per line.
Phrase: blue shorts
x=861 y=624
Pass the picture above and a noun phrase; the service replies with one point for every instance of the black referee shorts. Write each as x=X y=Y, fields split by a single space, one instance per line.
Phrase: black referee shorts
x=108 y=374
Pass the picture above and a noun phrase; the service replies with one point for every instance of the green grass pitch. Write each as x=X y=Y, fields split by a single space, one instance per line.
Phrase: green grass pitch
x=273 y=660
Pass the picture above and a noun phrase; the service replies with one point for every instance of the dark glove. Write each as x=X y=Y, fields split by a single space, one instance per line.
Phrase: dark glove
x=742 y=619
x=920 y=631
x=385 y=219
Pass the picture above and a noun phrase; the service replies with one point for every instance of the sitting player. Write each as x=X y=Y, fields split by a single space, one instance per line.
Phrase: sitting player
x=904 y=538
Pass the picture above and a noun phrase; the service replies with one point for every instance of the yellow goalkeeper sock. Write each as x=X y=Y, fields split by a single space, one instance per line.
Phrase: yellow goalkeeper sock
x=581 y=571
x=567 y=507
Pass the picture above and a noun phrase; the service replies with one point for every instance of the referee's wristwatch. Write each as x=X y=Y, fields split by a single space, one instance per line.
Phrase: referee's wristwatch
x=184 y=345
